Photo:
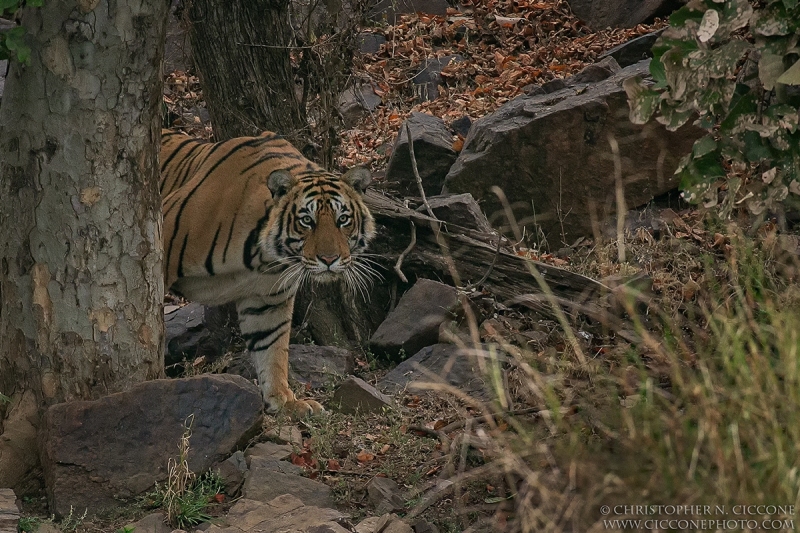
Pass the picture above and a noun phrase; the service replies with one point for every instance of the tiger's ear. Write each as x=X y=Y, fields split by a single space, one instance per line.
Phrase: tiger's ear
x=279 y=183
x=358 y=178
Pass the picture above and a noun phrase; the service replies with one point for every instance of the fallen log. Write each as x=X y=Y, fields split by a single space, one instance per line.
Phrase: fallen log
x=450 y=253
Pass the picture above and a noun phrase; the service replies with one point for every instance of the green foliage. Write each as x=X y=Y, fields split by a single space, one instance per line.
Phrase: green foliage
x=12 y=40
x=734 y=69
x=28 y=524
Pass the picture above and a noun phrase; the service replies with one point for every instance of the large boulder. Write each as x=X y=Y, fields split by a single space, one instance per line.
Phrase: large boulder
x=551 y=154
x=415 y=322
x=195 y=330
x=458 y=367
x=599 y=14
x=433 y=152
x=94 y=452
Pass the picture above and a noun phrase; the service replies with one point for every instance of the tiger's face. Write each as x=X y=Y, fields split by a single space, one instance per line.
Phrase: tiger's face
x=320 y=227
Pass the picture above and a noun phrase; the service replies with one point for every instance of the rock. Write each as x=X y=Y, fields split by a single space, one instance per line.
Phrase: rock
x=282 y=514
x=232 y=471
x=455 y=366
x=370 y=43
x=355 y=395
x=388 y=10
x=384 y=495
x=18 y=454
x=433 y=150
x=459 y=209
x=422 y=526
x=368 y=525
x=357 y=101
x=285 y=435
x=429 y=77
x=269 y=450
x=599 y=71
x=9 y=512
x=196 y=330
x=93 y=452
x=268 y=479
x=554 y=148
x=462 y=125
x=152 y=523
x=600 y=14
x=633 y=51
x=391 y=523
x=319 y=366
x=414 y=323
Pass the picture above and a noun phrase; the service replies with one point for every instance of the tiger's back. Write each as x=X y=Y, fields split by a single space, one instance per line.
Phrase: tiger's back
x=247 y=221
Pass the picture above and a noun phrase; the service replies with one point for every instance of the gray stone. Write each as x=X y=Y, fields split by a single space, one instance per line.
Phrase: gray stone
x=429 y=77
x=355 y=102
x=9 y=512
x=550 y=153
x=93 y=452
x=197 y=330
x=462 y=125
x=422 y=526
x=268 y=479
x=433 y=151
x=3 y=71
x=391 y=523
x=282 y=514
x=384 y=495
x=232 y=470
x=355 y=395
x=319 y=366
x=269 y=450
x=152 y=523
x=447 y=363
x=370 y=43
x=285 y=435
x=414 y=323
x=459 y=209
x=633 y=51
x=600 y=14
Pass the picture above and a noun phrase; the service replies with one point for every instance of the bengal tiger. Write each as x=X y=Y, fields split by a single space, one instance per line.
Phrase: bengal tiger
x=247 y=221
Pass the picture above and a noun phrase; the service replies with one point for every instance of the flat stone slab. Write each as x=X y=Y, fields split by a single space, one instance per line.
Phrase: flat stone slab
x=268 y=479
x=283 y=514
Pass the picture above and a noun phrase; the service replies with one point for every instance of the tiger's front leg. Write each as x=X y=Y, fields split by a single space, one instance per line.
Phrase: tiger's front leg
x=265 y=323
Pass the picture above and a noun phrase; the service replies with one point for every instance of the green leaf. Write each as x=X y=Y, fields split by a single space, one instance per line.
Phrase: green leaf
x=658 y=73
x=770 y=68
x=789 y=4
x=686 y=13
x=641 y=99
x=770 y=21
x=791 y=76
x=703 y=146
x=742 y=106
x=15 y=42
x=35 y=3
x=756 y=148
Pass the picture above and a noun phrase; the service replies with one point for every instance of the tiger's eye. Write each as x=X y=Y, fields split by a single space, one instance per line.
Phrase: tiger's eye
x=344 y=220
x=306 y=220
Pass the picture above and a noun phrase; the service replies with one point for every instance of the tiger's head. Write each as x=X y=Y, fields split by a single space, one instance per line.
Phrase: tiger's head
x=319 y=227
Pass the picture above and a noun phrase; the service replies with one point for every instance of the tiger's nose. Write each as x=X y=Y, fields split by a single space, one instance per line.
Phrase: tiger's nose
x=328 y=259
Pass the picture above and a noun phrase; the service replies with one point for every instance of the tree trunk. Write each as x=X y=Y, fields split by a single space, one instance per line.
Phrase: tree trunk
x=241 y=50
x=81 y=285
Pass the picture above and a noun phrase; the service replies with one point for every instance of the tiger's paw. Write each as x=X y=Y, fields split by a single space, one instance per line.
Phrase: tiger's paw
x=295 y=408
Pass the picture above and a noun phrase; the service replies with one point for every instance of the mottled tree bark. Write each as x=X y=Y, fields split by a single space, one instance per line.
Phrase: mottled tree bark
x=241 y=50
x=81 y=285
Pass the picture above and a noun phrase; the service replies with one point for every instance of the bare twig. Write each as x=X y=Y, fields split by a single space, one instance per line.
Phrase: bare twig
x=416 y=172
x=405 y=252
x=489 y=270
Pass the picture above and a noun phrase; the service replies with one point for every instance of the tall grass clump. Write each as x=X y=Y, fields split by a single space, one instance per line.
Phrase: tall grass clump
x=703 y=412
